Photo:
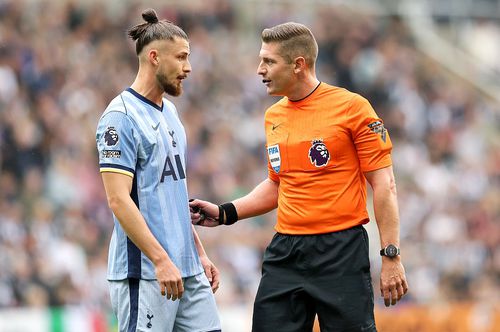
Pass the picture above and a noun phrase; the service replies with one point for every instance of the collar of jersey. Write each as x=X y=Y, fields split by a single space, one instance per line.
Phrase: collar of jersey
x=146 y=100
x=310 y=93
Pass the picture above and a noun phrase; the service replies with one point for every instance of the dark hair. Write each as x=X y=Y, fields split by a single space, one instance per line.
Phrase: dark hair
x=153 y=29
x=295 y=40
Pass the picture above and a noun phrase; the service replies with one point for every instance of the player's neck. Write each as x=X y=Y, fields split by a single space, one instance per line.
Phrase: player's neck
x=148 y=88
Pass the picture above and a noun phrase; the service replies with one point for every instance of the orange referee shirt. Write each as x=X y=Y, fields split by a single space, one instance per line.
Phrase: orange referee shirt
x=318 y=149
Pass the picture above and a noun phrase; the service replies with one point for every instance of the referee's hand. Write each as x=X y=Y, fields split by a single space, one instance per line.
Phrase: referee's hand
x=393 y=284
x=204 y=213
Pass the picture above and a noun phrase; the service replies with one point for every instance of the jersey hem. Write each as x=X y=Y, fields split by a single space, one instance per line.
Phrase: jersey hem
x=377 y=167
x=336 y=228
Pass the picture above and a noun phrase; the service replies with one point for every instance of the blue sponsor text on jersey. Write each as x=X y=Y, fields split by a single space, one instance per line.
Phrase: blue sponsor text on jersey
x=169 y=170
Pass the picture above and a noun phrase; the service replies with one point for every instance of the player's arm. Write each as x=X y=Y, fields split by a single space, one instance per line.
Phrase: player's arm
x=393 y=283
x=262 y=199
x=118 y=188
x=211 y=270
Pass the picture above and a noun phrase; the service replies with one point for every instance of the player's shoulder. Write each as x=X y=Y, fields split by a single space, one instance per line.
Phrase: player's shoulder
x=116 y=112
x=115 y=105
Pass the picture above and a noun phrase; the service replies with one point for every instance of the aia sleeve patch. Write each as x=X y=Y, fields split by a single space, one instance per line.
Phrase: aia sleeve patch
x=111 y=153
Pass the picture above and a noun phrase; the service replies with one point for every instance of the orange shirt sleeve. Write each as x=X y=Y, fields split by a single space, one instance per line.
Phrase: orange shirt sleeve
x=271 y=173
x=371 y=139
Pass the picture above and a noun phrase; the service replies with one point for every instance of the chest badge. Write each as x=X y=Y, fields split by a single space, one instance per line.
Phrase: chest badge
x=318 y=153
x=171 y=133
x=273 y=152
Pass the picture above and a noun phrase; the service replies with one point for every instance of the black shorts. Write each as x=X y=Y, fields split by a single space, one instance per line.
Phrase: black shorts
x=325 y=274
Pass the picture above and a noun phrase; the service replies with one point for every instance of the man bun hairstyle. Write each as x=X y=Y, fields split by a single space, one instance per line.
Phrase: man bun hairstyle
x=295 y=40
x=149 y=15
x=153 y=29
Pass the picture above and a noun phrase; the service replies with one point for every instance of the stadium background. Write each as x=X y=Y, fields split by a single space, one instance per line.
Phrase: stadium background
x=430 y=68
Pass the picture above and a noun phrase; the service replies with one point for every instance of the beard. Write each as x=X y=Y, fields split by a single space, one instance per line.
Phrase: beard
x=172 y=89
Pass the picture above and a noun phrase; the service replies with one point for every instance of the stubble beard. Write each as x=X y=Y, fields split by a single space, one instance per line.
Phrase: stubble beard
x=169 y=87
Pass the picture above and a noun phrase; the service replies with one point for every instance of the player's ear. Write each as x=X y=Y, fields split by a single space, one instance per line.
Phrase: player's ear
x=153 y=57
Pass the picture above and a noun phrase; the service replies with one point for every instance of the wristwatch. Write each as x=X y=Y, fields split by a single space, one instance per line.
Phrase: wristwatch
x=390 y=251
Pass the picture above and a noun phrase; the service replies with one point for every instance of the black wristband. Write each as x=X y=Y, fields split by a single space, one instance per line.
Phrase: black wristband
x=221 y=215
x=227 y=210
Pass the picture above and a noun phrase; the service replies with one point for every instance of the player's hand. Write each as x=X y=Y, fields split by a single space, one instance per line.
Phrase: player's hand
x=204 y=213
x=170 y=279
x=393 y=284
x=211 y=272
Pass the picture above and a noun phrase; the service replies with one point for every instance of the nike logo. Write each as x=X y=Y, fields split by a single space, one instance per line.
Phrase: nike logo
x=276 y=126
x=155 y=127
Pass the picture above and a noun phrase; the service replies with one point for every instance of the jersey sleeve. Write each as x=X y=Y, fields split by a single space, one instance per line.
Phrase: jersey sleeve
x=271 y=173
x=116 y=144
x=371 y=139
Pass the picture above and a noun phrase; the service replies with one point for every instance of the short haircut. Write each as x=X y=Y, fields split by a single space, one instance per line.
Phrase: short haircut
x=295 y=40
x=153 y=29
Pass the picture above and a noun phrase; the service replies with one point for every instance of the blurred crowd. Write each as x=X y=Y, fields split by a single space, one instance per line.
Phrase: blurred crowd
x=62 y=62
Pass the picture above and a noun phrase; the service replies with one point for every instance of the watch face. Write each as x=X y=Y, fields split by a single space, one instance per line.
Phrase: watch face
x=391 y=250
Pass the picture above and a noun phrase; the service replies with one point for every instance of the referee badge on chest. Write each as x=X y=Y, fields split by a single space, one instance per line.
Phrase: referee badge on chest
x=318 y=153
x=273 y=151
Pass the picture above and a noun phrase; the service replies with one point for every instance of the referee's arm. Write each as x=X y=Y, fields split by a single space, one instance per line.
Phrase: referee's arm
x=393 y=283
x=262 y=199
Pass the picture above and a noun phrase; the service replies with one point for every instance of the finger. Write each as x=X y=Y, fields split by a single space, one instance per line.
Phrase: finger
x=180 y=289
x=394 y=296
x=209 y=222
x=195 y=218
x=208 y=273
x=401 y=291
x=215 y=281
x=169 y=290
x=386 y=294
x=193 y=205
x=198 y=218
x=175 y=291
x=162 y=289
x=405 y=286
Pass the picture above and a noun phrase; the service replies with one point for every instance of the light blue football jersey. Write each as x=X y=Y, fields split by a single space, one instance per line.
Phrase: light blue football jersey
x=138 y=138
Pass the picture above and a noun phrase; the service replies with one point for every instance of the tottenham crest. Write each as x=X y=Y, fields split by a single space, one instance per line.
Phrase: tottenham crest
x=273 y=152
x=111 y=136
x=318 y=153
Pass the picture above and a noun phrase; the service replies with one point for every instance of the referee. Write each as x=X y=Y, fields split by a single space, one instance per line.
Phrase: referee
x=323 y=144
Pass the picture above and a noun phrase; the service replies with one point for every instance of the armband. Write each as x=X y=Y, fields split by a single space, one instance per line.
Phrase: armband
x=227 y=214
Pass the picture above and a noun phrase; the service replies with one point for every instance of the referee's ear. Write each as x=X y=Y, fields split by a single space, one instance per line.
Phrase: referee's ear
x=299 y=64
